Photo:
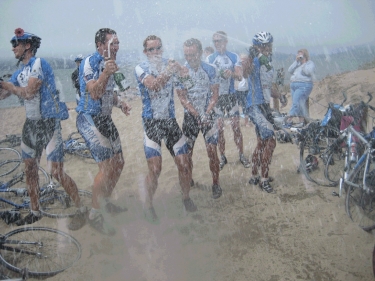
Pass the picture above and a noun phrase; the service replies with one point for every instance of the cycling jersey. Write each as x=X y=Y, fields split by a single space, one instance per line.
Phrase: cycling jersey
x=228 y=60
x=90 y=69
x=156 y=104
x=255 y=94
x=200 y=94
x=41 y=104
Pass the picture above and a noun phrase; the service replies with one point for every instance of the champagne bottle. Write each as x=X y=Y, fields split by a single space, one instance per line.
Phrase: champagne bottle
x=121 y=82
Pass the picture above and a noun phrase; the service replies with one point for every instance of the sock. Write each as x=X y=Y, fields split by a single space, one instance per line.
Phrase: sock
x=36 y=213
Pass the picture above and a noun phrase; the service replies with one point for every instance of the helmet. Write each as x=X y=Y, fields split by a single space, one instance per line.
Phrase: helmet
x=262 y=37
x=311 y=163
x=78 y=58
x=22 y=36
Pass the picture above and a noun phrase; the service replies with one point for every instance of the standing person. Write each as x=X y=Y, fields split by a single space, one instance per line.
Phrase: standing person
x=242 y=88
x=229 y=66
x=157 y=79
x=208 y=51
x=303 y=74
x=75 y=77
x=259 y=115
x=95 y=124
x=34 y=82
x=198 y=103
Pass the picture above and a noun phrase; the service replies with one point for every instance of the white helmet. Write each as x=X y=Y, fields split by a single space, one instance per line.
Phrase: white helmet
x=262 y=37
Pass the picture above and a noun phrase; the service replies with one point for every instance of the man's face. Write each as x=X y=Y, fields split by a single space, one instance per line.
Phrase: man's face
x=153 y=50
x=192 y=55
x=266 y=49
x=220 y=43
x=20 y=49
x=110 y=47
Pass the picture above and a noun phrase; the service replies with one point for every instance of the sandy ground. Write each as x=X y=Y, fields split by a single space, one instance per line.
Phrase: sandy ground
x=300 y=233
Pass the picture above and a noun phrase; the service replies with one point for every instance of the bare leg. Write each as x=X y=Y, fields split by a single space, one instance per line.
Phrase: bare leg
x=184 y=173
x=106 y=179
x=32 y=182
x=213 y=162
x=266 y=156
x=238 y=139
x=151 y=181
x=66 y=181
x=221 y=144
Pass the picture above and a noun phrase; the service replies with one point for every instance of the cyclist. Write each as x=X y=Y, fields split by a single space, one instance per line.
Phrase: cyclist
x=95 y=124
x=75 y=76
x=259 y=113
x=34 y=82
x=157 y=80
x=229 y=66
x=199 y=103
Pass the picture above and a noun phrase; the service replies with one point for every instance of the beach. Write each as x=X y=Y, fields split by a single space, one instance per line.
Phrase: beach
x=300 y=233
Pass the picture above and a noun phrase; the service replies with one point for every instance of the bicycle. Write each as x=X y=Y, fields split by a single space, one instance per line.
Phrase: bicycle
x=7 y=166
x=53 y=202
x=75 y=144
x=11 y=141
x=360 y=185
x=42 y=251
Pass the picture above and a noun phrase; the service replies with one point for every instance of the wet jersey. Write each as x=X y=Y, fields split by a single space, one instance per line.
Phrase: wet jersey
x=156 y=104
x=199 y=95
x=255 y=94
x=228 y=60
x=90 y=69
x=40 y=69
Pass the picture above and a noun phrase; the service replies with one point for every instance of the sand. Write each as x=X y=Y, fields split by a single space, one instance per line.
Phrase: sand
x=300 y=233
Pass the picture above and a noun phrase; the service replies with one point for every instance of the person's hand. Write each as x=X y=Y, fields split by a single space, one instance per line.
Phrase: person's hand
x=173 y=67
x=125 y=108
x=183 y=72
x=110 y=67
x=227 y=73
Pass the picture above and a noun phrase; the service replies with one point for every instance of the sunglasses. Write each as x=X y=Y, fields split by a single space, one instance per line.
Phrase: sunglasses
x=153 y=49
x=15 y=43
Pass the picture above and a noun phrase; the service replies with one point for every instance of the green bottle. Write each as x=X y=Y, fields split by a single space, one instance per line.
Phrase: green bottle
x=121 y=81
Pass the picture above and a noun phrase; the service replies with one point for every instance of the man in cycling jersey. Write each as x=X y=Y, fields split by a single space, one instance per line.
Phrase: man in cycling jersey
x=229 y=67
x=34 y=82
x=95 y=124
x=199 y=102
x=157 y=79
x=259 y=114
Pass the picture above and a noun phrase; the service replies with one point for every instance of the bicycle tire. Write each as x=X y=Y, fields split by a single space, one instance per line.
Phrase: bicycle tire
x=7 y=165
x=11 y=141
x=57 y=251
x=58 y=204
x=85 y=153
x=334 y=166
x=311 y=144
x=358 y=203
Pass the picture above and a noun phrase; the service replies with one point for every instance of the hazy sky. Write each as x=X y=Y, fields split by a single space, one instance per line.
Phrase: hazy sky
x=67 y=27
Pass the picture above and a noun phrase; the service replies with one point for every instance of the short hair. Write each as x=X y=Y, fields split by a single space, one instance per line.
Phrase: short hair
x=209 y=49
x=194 y=42
x=221 y=33
x=101 y=34
x=148 y=38
x=305 y=53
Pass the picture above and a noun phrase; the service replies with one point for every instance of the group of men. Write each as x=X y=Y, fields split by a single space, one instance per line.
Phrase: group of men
x=205 y=89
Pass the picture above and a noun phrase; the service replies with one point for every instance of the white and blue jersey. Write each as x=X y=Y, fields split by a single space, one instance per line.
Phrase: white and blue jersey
x=90 y=69
x=255 y=94
x=200 y=94
x=228 y=60
x=156 y=104
x=40 y=69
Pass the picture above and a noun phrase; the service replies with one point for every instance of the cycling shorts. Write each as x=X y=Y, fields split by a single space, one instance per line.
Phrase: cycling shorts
x=263 y=127
x=227 y=103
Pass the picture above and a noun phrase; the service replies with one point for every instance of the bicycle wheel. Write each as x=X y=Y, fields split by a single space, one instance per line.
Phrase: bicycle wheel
x=58 y=204
x=43 y=251
x=334 y=166
x=313 y=142
x=360 y=204
x=7 y=163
